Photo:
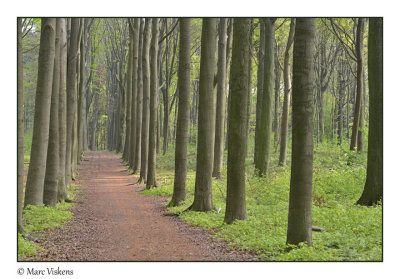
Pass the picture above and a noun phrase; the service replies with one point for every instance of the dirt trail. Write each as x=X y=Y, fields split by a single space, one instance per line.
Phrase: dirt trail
x=115 y=222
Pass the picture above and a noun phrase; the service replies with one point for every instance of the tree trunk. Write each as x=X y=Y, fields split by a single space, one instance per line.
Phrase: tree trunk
x=206 y=121
x=71 y=95
x=125 y=155
x=264 y=146
x=260 y=86
x=136 y=164
x=52 y=162
x=166 y=94
x=360 y=76
x=373 y=190
x=62 y=112
x=20 y=126
x=236 y=196
x=134 y=87
x=146 y=99
x=40 y=138
x=277 y=101
x=221 y=99
x=151 y=171
x=182 y=123
x=300 y=199
x=82 y=95
x=286 y=99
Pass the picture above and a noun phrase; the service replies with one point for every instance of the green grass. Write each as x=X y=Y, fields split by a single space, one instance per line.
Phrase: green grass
x=39 y=219
x=353 y=233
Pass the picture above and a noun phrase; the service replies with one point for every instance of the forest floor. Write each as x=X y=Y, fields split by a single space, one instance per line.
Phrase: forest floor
x=113 y=221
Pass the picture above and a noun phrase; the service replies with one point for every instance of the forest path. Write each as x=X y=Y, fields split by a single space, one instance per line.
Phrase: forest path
x=113 y=221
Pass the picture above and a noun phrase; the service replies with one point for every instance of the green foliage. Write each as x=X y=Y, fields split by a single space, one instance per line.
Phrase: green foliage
x=26 y=248
x=352 y=232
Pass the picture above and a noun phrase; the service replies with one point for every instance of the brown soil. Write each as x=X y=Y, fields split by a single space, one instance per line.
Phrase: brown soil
x=113 y=221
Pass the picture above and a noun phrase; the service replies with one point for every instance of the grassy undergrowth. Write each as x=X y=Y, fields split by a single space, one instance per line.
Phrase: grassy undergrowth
x=353 y=233
x=39 y=219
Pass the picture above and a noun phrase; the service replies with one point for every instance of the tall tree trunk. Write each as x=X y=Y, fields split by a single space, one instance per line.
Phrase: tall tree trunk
x=277 y=100
x=52 y=162
x=135 y=58
x=62 y=112
x=300 y=199
x=260 y=86
x=228 y=65
x=146 y=99
x=20 y=126
x=373 y=189
x=264 y=146
x=182 y=123
x=206 y=123
x=166 y=94
x=360 y=137
x=151 y=171
x=125 y=155
x=286 y=99
x=221 y=99
x=82 y=95
x=136 y=164
x=71 y=94
x=360 y=76
x=236 y=196
x=40 y=138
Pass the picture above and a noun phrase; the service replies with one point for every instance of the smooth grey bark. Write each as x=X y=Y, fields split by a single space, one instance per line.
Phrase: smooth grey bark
x=151 y=170
x=72 y=58
x=236 y=195
x=52 y=163
x=146 y=99
x=20 y=126
x=264 y=146
x=361 y=137
x=82 y=95
x=40 y=138
x=134 y=87
x=260 y=86
x=62 y=112
x=300 y=198
x=286 y=100
x=221 y=99
x=136 y=164
x=125 y=155
x=182 y=123
x=206 y=119
x=373 y=189
x=228 y=65
x=360 y=76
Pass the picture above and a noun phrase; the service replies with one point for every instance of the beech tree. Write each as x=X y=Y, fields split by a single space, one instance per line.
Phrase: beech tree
x=373 y=189
x=146 y=99
x=52 y=162
x=151 y=171
x=236 y=196
x=206 y=127
x=300 y=200
x=37 y=165
x=182 y=124
x=265 y=134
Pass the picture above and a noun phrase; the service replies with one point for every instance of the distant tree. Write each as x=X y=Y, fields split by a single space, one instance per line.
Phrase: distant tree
x=265 y=132
x=221 y=99
x=287 y=79
x=182 y=123
x=82 y=91
x=373 y=190
x=236 y=196
x=146 y=99
x=260 y=86
x=40 y=139
x=53 y=155
x=151 y=171
x=300 y=200
x=20 y=126
x=206 y=119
